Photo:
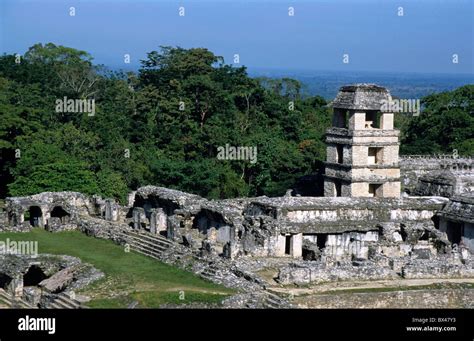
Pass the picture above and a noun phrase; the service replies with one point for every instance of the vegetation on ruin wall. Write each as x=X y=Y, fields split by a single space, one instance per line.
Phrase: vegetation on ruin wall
x=130 y=277
x=163 y=125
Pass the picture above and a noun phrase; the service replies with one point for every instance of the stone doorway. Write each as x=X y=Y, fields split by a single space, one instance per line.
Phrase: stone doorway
x=455 y=232
x=60 y=213
x=35 y=216
x=288 y=245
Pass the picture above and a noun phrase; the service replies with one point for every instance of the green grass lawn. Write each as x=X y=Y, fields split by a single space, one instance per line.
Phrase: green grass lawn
x=130 y=277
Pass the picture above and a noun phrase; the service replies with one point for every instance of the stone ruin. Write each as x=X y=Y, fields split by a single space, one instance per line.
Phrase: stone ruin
x=41 y=280
x=364 y=227
x=433 y=174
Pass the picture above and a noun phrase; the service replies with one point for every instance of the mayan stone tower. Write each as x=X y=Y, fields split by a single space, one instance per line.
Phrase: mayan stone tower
x=362 y=145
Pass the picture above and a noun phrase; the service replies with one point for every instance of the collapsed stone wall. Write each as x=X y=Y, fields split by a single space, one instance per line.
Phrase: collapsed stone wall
x=446 y=183
x=312 y=228
x=34 y=277
x=456 y=219
x=316 y=239
x=413 y=167
x=451 y=264
x=340 y=228
x=50 y=210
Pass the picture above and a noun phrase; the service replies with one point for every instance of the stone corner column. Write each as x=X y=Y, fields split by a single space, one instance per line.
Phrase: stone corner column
x=137 y=213
x=153 y=229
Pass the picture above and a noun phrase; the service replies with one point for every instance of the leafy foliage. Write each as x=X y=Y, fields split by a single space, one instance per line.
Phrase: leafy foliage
x=163 y=125
x=446 y=124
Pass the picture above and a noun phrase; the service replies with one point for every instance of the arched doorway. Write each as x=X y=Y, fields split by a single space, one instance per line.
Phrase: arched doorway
x=60 y=213
x=35 y=216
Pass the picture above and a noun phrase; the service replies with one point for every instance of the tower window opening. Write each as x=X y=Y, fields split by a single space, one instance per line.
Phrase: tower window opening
x=339 y=153
x=340 y=119
x=374 y=156
x=374 y=190
x=372 y=120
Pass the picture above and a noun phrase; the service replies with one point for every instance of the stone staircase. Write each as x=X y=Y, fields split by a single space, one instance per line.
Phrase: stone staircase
x=5 y=299
x=146 y=243
x=63 y=301
x=153 y=246
x=273 y=301
x=210 y=272
x=13 y=302
x=259 y=299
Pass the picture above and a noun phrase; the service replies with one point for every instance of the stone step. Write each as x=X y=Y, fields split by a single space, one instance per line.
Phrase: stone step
x=158 y=245
x=55 y=305
x=61 y=303
x=137 y=241
x=4 y=295
x=14 y=302
x=67 y=302
x=211 y=270
x=6 y=299
x=209 y=278
x=273 y=296
x=274 y=301
x=207 y=275
x=148 y=248
x=271 y=303
x=149 y=236
x=145 y=252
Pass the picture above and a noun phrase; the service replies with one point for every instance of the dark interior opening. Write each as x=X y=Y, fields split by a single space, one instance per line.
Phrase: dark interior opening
x=424 y=236
x=374 y=190
x=60 y=213
x=153 y=201
x=34 y=276
x=454 y=232
x=340 y=153
x=374 y=117
x=205 y=220
x=4 y=280
x=403 y=233
x=321 y=240
x=35 y=215
x=340 y=119
x=287 y=245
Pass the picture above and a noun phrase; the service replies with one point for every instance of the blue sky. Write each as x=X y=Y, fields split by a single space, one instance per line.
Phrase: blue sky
x=261 y=32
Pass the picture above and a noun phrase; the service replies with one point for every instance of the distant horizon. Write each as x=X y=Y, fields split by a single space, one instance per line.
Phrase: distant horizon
x=251 y=69
x=136 y=65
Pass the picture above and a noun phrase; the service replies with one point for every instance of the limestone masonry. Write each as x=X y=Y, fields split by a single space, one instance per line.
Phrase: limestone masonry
x=381 y=217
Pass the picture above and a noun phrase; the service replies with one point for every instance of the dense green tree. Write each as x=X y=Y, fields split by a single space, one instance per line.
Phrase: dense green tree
x=445 y=124
x=164 y=124
x=58 y=176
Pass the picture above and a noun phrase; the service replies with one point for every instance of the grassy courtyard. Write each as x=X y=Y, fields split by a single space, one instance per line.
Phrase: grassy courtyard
x=129 y=277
